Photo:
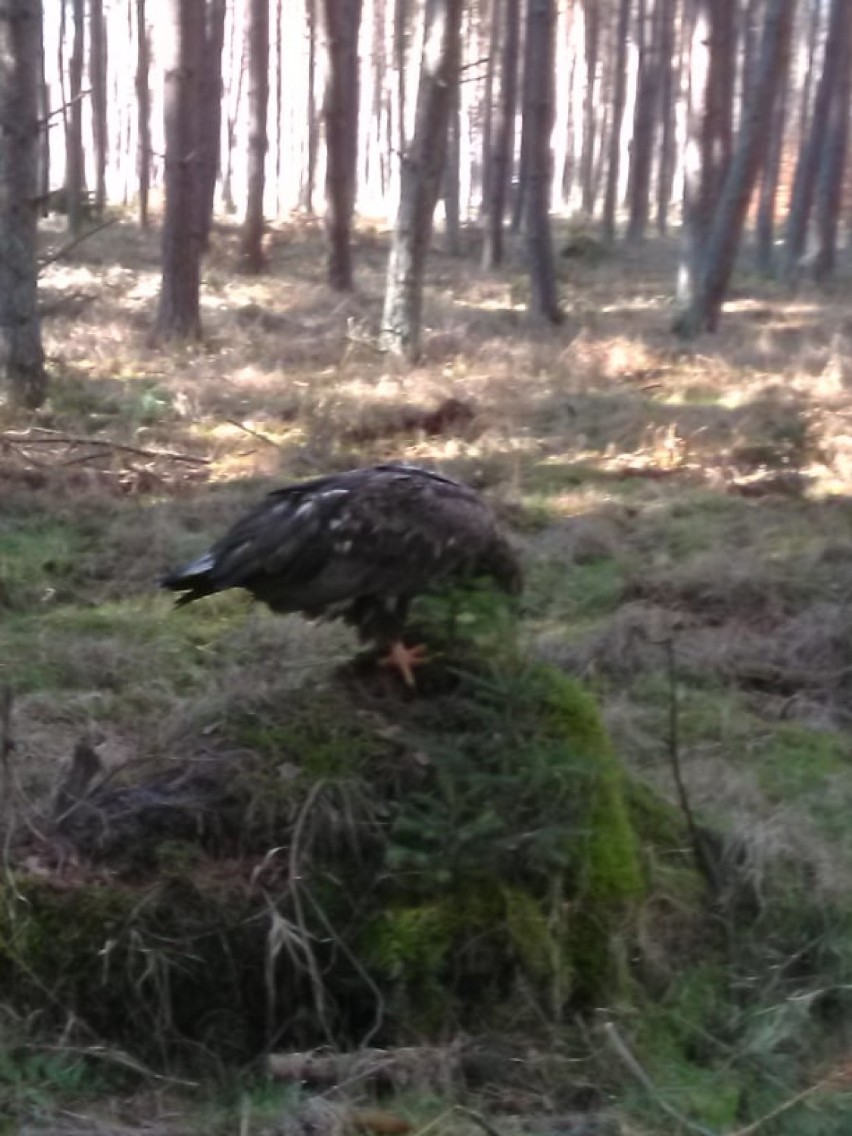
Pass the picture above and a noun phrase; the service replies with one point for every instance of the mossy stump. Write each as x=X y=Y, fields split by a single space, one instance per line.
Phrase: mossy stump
x=351 y=862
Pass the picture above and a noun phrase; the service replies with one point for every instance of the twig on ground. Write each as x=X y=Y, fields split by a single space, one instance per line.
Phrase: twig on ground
x=56 y=438
x=254 y=433
x=785 y=1106
x=69 y=245
x=704 y=859
x=622 y=1051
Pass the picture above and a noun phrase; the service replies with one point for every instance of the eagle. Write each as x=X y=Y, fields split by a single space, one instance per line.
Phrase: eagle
x=358 y=546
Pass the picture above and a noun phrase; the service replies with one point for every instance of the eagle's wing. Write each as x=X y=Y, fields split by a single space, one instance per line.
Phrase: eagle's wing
x=384 y=531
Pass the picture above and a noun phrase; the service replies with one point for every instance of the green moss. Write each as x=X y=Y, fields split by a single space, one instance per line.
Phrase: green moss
x=613 y=870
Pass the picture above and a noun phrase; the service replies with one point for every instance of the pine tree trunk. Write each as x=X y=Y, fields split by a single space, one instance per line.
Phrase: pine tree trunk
x=342 y=94
x=43 y=109
x=807 y=167
x=590 y=108
x=729 y=217
x=210 y=124
x=539 y=65
x=488 y=105
x=310 y=177
x=452 y=174
x=765 y=225
x=422 y=167
x=832 y=171
x=143 y=110
x=708 y=128
x=178 y=315
x=668 y=71
x=504 y=136
x=97 y=76
x=644 y=122
x=21 y=357
x=619 y=92
x=251 y=250
x=74 y=134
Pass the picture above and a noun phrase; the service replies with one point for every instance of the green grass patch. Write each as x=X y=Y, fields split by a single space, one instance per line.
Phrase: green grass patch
x=570 y=592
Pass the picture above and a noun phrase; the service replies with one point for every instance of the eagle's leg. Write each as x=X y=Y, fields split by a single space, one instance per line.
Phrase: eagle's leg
x=405 y=659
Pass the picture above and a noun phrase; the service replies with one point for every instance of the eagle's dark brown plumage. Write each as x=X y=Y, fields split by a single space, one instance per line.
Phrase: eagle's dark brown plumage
x=358 y=546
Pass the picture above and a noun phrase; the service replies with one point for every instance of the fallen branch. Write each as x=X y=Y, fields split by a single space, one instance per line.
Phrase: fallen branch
x=105 y=443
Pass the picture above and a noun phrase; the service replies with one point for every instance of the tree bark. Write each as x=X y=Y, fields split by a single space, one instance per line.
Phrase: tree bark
x=590 y=108
x=74 y=134
x=765 y=226
x=310 y=177
x=504 y=136
x=342 y=94
x=178 y=316
x=708 y=138
x=644 y=121
x=210 y=122
x=729 y=217
x=143 y=110
x=252 y=258
x=21 y=355
x=668 y=71
x=452 y=177
x=832 y=170
x=97 y=76
x=422 y=167
x=537 y=123
x=619 y=91
x=807 y=167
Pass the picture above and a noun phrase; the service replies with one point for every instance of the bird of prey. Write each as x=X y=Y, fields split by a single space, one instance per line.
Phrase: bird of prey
x=358 y=546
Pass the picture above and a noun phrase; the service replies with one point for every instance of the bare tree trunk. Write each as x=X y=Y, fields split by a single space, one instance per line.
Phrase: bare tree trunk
x=668 y=71
x=724 y=236
x=278 y=136
x=97 y=75
x=708 y=136
x=488 y=100
x=21 y=356
x=765 y=227
x=452 y=173
x=504 y=136
x=143 y=110
x=251 y=251
x=310 y=178
x=236 y=60
x=42 y=111
x=590 y=109
x=539 y=65
x=400 y=20
x=178 y=315
x=210 y=124
x=832 y=171
x=74 y=135
x=619 y=91
x=807 y=167
x=422 y=167
x=342 y=95
x=644 y=121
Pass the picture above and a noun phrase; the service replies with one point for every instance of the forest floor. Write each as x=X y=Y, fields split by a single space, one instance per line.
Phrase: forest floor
x=697 y=496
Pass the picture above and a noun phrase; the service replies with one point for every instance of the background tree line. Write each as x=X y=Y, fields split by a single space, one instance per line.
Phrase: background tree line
x=637 y=114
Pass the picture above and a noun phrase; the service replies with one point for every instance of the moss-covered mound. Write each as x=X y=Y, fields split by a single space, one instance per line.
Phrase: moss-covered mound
x=349 y=862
